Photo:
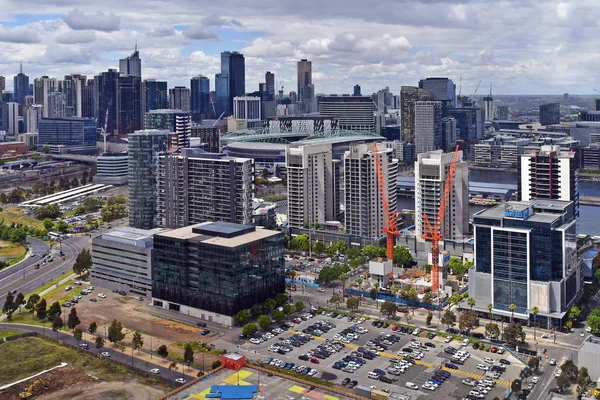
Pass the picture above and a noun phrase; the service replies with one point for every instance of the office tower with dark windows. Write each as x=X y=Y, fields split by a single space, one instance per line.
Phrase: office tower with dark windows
x=67 y=132
x=144 y=149
x=352 y=112
x=175 y=121
x=231 y=82
x=409 y=95
x=357 y=90
x=550 y=114
x=428 y=126
x=448 y=133
x=526 y=255
x=364 y=213
x=213 y=270
x=105 y=99
x=270 y=85
x=131 y=65
x=87 y=99
x=2 y=84
x=443 y=89
x=154 y=95
x=129 y=102
x=305 y=87
x=21 y=86
x=197 y=186
x=179 y=98
x=200 y=98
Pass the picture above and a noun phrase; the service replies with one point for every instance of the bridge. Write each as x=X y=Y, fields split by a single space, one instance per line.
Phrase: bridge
x=76 y=157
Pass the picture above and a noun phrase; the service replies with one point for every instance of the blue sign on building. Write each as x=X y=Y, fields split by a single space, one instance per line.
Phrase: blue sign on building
x=517 y=214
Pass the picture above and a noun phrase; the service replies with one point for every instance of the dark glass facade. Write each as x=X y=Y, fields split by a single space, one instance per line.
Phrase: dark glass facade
x=200 y=98
x=231 y=82
x=129 y=104
x=67 y=131
x=510 y=270
x=194 y=272
x=21 y=87
x=155 y=95
x=105 y=98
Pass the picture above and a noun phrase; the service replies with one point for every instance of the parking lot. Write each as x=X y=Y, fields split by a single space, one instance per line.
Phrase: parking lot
x=432 y=358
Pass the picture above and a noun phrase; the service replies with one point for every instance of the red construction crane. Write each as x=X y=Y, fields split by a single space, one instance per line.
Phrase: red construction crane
x=390 y=228
x=433 y=233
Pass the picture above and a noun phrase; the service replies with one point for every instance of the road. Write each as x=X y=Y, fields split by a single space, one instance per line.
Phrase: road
x=127 y=358
x=38 y=250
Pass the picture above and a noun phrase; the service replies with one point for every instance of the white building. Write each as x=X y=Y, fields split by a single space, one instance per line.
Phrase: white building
x=13 y=118
x=431 y=171
x=380 y=270
x=112 y=169
x=312 y=183
x=33 y=117
x=247 y=108
x=364 y=214
x=42 y=87
x=428 y=126
x=57 y=105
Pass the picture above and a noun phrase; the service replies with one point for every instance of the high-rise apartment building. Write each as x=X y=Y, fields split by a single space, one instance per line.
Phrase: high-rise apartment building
x=356 y=90
x=105 y=99
x=409 y=95
x=312 y=181
x=209 y=136
x=154 y=95
x=428 y=126
x=306 y=92
x=431 y=171
x=87 y=99
x=448 y=133
x=549 y=173
x=200 y=98
x=175 y=121
x=12 y=117
x=145 y=148
x=21 y=86
x=131 y=65
x=443 y=89
x=179 y=98
x=57 y=105
x=364 y=214
x=270 y=85
x=550 y=114
x=231 y=82
x=42 y=88
x=72 y=86
x=129 y=103
x=198 y=186
x=502 y=112
x=33 y=117
x=352 y=112
x=526 y=255
x=215 y=269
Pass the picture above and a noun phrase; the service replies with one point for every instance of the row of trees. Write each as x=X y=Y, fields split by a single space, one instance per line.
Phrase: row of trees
x=268 y=307
x=42 y=188
x=265 y=321
x=83 y=262
x=15 y=233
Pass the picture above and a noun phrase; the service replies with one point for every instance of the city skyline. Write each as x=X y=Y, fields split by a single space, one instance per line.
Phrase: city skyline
x=391 y=45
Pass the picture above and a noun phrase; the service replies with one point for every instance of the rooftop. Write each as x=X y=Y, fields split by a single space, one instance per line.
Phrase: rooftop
x=520 y=210
x=220 y=233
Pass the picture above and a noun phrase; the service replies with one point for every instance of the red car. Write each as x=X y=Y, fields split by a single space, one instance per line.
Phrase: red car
x=395 y=327
x=37 y=266
x=494 y=349
x=314 y=360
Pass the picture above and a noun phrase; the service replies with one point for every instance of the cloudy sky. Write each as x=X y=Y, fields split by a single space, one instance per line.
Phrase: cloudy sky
x=522 y=46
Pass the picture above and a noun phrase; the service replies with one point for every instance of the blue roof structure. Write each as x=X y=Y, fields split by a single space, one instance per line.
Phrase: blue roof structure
x=232 y=392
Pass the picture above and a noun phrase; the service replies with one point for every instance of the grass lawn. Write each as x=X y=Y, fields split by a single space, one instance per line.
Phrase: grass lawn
x=12 y=250
x=176 y=351
x=7 y=332
x=15 y=214
x=30 y=319
x=32 y=354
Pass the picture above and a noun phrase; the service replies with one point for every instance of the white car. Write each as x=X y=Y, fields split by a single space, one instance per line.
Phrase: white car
x=530 y=386
x=488 y=360
x=558 y=373
x=483 y=367
x=180 y=380
x=535 y=379
x=402 y=353
x=255 y=341
x=469 y=382
x=321 y=290
x=588 y=329
x=552 y=361
x=361 y=320
x=428 y=387
x=475 y=393
x=465 y=342
x=155 y=371
x=105 y=354
x=102 y=295
x=312 y=372
x=411 y=385
x=490 y=382
x=416 y=331
x=483 y=389
x=448 y=339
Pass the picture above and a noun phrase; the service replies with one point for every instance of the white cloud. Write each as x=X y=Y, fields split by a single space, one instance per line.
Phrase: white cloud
x=19 y=34
x=98 y=21
x=74 y=37
x=162 y=31
x=200 y=32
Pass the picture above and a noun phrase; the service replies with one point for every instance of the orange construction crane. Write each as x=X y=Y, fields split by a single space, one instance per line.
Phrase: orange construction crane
x=433 y=234
x=391 y=219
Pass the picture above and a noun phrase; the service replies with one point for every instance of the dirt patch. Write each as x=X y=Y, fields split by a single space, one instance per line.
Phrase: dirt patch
x=56 y=380
x=131 y=390
x=10 y=250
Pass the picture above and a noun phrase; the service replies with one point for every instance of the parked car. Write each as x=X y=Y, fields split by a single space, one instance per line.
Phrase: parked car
x=84 y=346
x=205 y=332
x=155 y=371
x=105 y=354
x=411 y=385
x=102 y=295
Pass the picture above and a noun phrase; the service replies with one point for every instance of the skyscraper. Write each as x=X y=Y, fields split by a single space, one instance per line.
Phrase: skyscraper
x=428 y=126
x=175 y=121
x=431 y=171
x=13 y=117
x=105 y=99
x=200 y=98
x=129 y=102
x=87 y=99
x=73 y=87
x=198 y=186
x=311 y=182
x=409 y=95
x=57 y=105
x=270 y=85
x=144 y=149
x=352 y=112
x=448 y=133
x=357 y=90
x=443 y=89
x=21 y=86
x=179 y=98
x=488 y=108
x=131 y=65
x=305 y=89
x=42 y=88
x=550 y=114
x=364 y=214
x=154 y=95
x=2 y=84
x=231 y=82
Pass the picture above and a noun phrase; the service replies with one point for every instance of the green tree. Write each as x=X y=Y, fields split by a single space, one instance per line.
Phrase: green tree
x=389 y=309
x=570 y=370
x=512 y=307
x=535 y=312
x=408 y=292
x=277 y=315
x=92 y=328
x=92 y=204
x=255 y=311
x=281 y=299
x=162 y=351
x=264 y=322
x=534 y=363
x=343 y=276
x=111 y=212
x=336 y=299
x=216 y=364
x=299 y=306
x=51 y=211
x=370 y=251
x=8 y=303
x=83 y=262
x=352 y=303
x=328 y=274
x=288 y=309
x=471 y=302
x=574 y=313
x=513 y=334
x=242 y=317
x=41 y=309
x=492 y=330
x=373 y=293
x=54 y=311
x=62 y=226
x=449 y=318
x=490 y=307
x=468 y=320
x=268 y=305
x=516 y=385
x=249 y=329
x=115 y=332
x=300 y=243
x=427 y=298
x=77 y=333
x=402 y=256
x=48 y=224
x=429 y=318
x=57 y=323
x=99 y=342
x=73 y=319
x=137 y=341
x=31 y=302
x=562 y=382
x=319 y=247
x=188 y=354
x=340 y=246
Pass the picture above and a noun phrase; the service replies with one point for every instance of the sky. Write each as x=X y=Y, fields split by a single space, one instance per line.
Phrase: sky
x=520 y=47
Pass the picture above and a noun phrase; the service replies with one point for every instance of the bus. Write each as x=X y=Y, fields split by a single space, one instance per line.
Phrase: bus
x=54 y=235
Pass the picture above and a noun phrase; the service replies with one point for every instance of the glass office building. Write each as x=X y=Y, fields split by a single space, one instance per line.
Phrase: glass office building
x=213 y=270
x=67 y=131
x=526 y=255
